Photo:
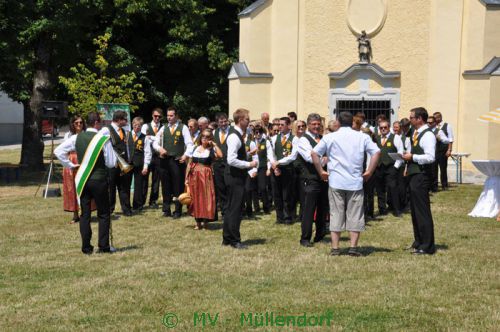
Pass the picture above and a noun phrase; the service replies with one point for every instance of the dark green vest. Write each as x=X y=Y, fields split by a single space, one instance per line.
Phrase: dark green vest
x=138 y=157
x=416 y=149
x=222 y=146
x=99 y=172
x=241 y=155
x=384 y=150
x=174 y=143
x=151 y=131
x=121 y=146
x=262 y=153
x=403 y=140
x=280 y=150
x=247 y=147
x=307 y=170
x=441 y=147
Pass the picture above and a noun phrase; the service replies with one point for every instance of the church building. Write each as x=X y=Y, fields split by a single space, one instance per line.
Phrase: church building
x=444 y=55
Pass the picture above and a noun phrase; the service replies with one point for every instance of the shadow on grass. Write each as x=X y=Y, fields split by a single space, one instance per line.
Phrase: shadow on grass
x=254 y=242
x=128 y=248
x=442 y=247
x=368 y=250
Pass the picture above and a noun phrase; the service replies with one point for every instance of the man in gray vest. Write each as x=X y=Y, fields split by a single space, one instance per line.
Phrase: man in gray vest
x=96 y=185
x=316 y=190
x=420 y=159
x=173 y=143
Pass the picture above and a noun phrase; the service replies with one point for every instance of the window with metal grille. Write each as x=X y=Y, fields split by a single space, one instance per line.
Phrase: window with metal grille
x=371 y=108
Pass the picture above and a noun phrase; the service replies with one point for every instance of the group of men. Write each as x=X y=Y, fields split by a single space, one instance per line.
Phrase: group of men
x=331 y=173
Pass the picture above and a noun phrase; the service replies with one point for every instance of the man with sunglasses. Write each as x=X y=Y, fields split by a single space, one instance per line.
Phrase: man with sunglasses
x=442 y=140
x=150 y=130
x=443 y=149
x=386 y=174
x=420 y=159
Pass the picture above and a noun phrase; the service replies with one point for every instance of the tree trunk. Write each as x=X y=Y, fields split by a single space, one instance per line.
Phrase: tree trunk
x=32 y=149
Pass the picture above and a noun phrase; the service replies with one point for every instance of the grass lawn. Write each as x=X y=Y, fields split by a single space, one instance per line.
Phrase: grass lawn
x=164 y=266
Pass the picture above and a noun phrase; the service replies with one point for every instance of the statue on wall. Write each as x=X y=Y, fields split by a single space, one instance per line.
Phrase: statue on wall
x=364 y=48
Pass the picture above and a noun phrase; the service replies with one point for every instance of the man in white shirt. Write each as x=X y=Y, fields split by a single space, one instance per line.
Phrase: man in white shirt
x=441 y=140
x=122 y=142
x=403 y=180
x=141 y=158
x=150 y=130
x=443 y=149
x=420 y=159
x=96 y=186
x=316 y=190
x=345 y=150
x=236 y=173
x=173 y=143
x=387 y=170
x=285 y=146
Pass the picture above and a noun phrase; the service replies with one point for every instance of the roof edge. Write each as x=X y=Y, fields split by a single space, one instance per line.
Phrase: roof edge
x=240 y=70
x=252 y=8
x=491 y=3
x=492 y=68
x=360 y=66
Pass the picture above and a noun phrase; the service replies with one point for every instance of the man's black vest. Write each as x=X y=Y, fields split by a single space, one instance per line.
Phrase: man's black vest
x=416 y=149
x=222 y=146
x=241 y=155
x=99 y=172
x=138 y=158
x=262 y=153
x=121 y=145
x=441 y=147
x=151 y=131
x=307 y=170
x=385 y=150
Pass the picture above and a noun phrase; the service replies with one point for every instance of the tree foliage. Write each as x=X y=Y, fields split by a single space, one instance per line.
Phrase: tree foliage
x=87 y=87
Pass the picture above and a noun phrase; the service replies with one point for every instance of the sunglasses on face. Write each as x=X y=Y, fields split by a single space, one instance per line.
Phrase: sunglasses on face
x=77 y=122
x=301 y=126
x=156 y=116
x=384 y=127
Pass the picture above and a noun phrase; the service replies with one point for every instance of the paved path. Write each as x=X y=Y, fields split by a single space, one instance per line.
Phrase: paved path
x=46 y=140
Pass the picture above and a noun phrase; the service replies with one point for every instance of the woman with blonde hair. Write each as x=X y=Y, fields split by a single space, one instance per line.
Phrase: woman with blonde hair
x=200 y=180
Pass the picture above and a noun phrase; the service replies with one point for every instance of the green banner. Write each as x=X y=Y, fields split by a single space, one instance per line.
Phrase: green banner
x=107 y=111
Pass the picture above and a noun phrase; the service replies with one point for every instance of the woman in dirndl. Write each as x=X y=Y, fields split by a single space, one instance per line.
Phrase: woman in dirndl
x=70 y=203
x=200 y=180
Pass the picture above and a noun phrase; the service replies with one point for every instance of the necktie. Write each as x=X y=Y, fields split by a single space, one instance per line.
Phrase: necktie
x=222 y=136
x=283 y=140
x=120 y=131
x=155 y=129
x=384 y=140
x=135 y=137
x=172 y=129
x=317 y=139
x=415 y=135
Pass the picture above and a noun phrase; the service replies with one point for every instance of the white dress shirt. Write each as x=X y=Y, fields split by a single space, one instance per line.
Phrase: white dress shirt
x=255 y=157
x=449 y=129
x=345 y=150
x=406 y=143
x=233 y=145
x=428 y=144
x=305 y=147
x=188 y=142
x=62 y=151
x=442 y=136
x=293 y=154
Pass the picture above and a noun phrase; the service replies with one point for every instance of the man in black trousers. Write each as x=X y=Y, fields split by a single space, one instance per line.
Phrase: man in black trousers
x=150 y=130
x=444 y=148
x=123 y=144
x=95 y=187
x=420 y=159
x=219 y=165
x=174 y=144
x=235 y=175
x=140 y=159
x=316 y=190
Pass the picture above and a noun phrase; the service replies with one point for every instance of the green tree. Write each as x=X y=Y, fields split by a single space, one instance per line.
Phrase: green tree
x=87 y=88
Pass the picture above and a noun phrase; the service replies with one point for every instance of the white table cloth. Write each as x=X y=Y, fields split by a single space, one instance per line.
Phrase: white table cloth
x=488 y=203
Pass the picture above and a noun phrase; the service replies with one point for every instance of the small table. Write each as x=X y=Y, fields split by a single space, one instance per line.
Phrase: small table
x=488 y=204
x=457 y=158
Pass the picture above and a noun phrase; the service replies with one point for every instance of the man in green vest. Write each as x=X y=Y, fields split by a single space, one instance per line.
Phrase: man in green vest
x=443 y=150
x=174 y=144
x=420 y=159
x=219 y=165
x=386 y=174
x=316 y=190
x=285 y=149
x=94 y=186
x=150 y=130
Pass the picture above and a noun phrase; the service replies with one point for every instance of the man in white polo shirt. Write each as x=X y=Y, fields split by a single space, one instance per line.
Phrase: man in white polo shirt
x=345 y=150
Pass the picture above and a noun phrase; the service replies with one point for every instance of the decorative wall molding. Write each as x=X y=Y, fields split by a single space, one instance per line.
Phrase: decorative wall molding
x=367 y=15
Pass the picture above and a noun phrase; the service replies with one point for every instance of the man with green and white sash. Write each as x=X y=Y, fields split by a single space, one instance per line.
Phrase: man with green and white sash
x=95 y=154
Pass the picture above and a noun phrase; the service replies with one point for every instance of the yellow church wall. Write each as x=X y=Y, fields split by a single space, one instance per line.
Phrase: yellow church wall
x=284 y=57
x=401 y=45
x=255 y=40
x=473 y=35
x=491 y=35
x=444 y=59
x=472 y=135
x=253 y=94
x=494 y=128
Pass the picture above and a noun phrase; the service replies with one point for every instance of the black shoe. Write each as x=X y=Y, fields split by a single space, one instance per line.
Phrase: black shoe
x=288 y=222
x=397 y=214
x=176 y=215
x=382 y=213
x=279 y=221
x=127 y=213
x=421 y=252
x=319 y=238
x=354 y=252
x=109 y=250
x=138 y=209
x=88 y=251
x=335 y=252
x=224 y=243
x=167 y=214
x=306 y=244
x=238 y=245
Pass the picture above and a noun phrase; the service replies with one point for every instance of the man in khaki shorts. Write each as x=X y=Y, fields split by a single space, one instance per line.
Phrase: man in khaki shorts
x=346 y=150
